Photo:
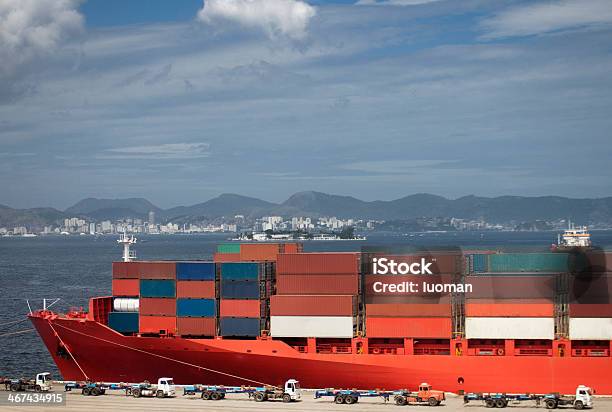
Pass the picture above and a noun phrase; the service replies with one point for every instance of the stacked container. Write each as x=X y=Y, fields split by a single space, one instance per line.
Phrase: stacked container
x=126 y=290
x=254 y=252
x=244 y=297
x=390 y=314
x=196 y=305
x=590 y=297
x=513 y=295
x=157 y=297
x=316 y=295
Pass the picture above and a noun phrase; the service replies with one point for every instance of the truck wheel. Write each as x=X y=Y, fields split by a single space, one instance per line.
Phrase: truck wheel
x=500 y=403
x=489 y=403
x=432 y=401
x=102 y=391
x=259 y=397
x=350 y=400
x=95 y=392
x=215 y=396
x=85 y=391
x=206 y=395
x=578 y=405
x=339 y=399
x=401 y=400
x=551 y=404
x=15 y=387
x=286 y=398
x=38 y=388
x=136 y=393
x=159 y=394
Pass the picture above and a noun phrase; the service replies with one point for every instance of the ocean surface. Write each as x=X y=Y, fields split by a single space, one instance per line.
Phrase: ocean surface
x=75 y=268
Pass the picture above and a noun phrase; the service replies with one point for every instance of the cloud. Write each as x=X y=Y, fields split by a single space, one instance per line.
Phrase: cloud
x=548 y=17
x=30 y=29
x=393 y=2
x=162 y=151
x=275 y=17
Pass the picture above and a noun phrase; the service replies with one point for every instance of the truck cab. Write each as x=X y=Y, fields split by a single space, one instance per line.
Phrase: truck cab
x=43 y=382
x=166 y=386
x=292 y=388
x=584 y=397
x=427 y=394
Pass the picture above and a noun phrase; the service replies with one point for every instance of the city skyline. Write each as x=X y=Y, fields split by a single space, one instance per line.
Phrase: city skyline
x=362 y=98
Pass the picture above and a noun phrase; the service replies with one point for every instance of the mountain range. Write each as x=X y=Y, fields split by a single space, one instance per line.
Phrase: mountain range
x=497 y=209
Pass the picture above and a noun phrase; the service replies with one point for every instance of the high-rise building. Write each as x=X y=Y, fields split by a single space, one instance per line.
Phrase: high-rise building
x=151 y=217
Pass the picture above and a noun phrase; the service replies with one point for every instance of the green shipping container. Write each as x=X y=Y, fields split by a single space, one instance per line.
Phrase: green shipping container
x=529 y=262
x=228 y=248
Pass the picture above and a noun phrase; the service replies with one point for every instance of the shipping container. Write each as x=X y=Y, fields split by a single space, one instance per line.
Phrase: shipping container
x=399 y=285
x=424 y=263
x=226 y=257
x=125 y=270
x=318 y=263
x=126 y=304
x=593 y=262
x=195 y=289
x=529 y=262
x=590 y=310
x=126 y=287
x=510 y=328
x=590 y=328
x=511 y=286
x=438 y=328
x=239 y=326
x=158 y=306
x=510 y=309
x=162 y=325
x=157 y=270
x=259 y=252
x=124 y=322
x=240 y=308
x=241 y=271
x=195 y=270
x=309 y=326
x=341 y=284
x=196 y=326
x=226 y=248
x=429 y=310
x=313 y=305
x=292 y=248
x=203 y=308
x=479 y=263
x=240 y=289
x=150 y=288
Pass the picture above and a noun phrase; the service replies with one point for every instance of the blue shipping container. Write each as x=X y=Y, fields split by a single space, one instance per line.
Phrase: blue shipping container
x=156 y=288
x=196 y=308
x=240 y=271
x=239 y=326
x=480 y=263
x=239 y=289
x=123 y=321
x=529 y=262
x=195 y=271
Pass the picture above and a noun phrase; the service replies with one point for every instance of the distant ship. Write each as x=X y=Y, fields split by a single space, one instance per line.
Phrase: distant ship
x=573 y=238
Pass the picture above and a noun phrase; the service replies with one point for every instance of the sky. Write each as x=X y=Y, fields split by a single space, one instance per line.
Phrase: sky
x=180 y=101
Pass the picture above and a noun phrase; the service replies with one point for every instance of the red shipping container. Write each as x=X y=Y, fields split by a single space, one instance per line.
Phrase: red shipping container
x=226 y=257
x=511 y=287
x=313 y=305
x=157 y=324
x=590 y=310
x=195 y=289
x=157 y=270
x=292 y=248
x=158 y=306
x=240 y=308
x=343 y=284
x=317 y=263
x=440 y=263
x=126 y=287
x=439 y=328
x=196 y=326
x=510 y=310
x=408 y=310
x=125 y=270
x=259 y=252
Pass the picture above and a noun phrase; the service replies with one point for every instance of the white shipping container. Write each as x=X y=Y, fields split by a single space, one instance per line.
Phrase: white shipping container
x=510 y=328
x=309 y=326
x=126 y=304
x=590 y=328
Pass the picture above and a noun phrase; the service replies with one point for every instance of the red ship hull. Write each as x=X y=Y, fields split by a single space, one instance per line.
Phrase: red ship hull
x=93 y=351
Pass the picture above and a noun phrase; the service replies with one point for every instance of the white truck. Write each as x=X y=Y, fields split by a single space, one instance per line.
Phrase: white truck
x=289 y=393
x=581 y=400
x=42 y=383
x=165 y=388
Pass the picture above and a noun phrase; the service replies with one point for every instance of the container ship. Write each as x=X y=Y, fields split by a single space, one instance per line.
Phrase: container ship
x=263 y=313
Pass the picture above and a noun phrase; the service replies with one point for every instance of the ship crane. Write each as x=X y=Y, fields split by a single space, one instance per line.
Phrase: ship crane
x=127 y=242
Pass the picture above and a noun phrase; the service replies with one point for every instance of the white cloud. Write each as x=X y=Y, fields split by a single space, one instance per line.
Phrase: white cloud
x=548 y=17
x=276 y=17
x=162 y=151
x=393 y=2
x=33 y=28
